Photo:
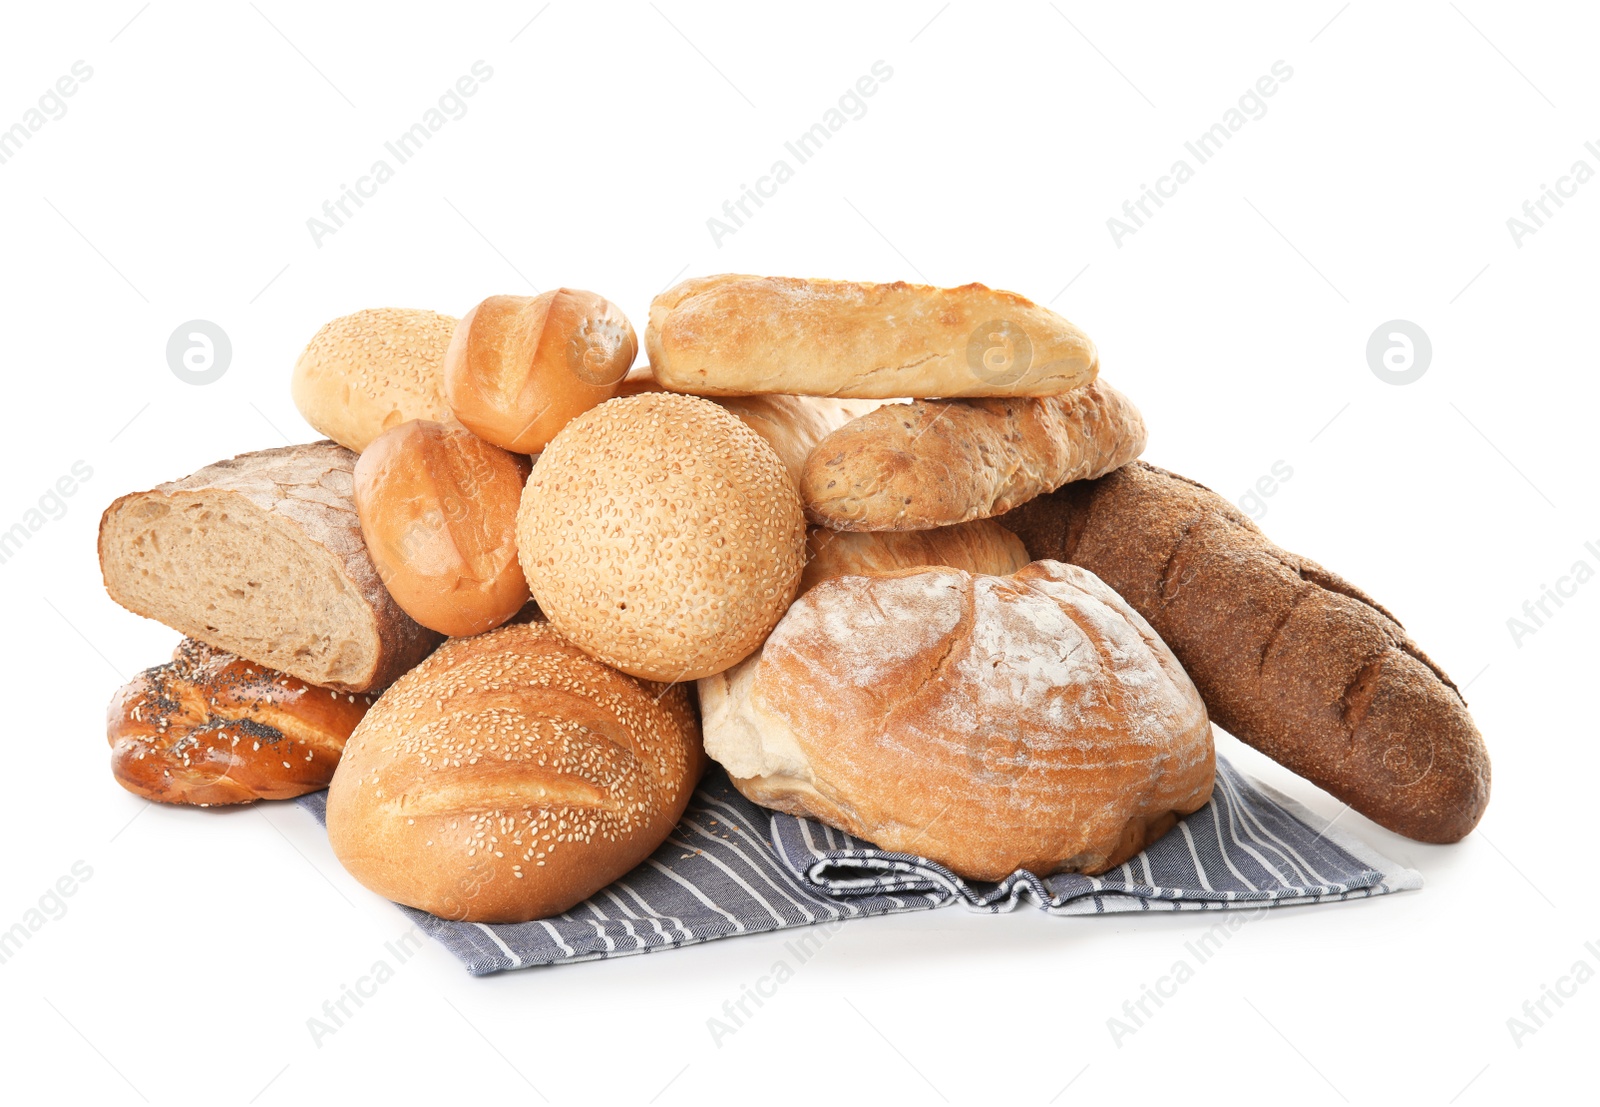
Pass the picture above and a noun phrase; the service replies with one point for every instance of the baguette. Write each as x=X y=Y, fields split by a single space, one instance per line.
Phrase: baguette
x=936 y=463
x=262 y=556
x=734 y=335
x=1289 y=657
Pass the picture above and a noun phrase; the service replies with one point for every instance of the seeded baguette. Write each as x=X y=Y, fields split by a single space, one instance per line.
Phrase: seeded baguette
x=1289 y=657
x=934 y=463
x=262 y=556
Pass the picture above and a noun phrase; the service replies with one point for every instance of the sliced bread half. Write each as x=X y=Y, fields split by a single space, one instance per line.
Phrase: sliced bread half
x=262 y=555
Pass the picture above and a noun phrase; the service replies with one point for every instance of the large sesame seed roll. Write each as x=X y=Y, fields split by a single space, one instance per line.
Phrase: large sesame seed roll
x=511 y=776
x=662 y=535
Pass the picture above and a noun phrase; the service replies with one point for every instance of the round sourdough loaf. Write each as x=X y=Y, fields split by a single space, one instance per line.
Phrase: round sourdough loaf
x=989 y=723
x=661 y=535
x=509 y=777
x=438 y=509
x=364 y=373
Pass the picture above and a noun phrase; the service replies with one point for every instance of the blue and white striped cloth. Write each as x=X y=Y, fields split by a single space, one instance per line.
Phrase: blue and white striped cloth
x=732 y=867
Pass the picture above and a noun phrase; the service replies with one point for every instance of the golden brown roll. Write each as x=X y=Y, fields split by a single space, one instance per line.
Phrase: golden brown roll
x=519 y=368
x=364 y=373
x=662 y=535
x=209 y=728
x=511 y=776
x=438 y=509
x=989 y=723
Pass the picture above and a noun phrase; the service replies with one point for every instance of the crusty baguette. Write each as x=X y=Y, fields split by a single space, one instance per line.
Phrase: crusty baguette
x=262 y=556
x=935 y=463
x=735 y=335
x=1289 y=657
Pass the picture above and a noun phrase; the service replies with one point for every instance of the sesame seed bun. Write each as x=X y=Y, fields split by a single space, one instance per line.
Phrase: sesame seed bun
x=509 y=777
x=364 y=373
x=662 y=535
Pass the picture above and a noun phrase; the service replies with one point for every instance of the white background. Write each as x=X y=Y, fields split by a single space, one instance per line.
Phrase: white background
x=1377 y=186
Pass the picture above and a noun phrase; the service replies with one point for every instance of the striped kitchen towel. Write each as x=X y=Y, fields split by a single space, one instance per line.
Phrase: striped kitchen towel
x=734 y=868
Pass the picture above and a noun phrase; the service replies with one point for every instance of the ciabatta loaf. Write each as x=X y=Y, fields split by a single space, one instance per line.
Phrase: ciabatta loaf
x=262 y=556
x=932 y=463
x=736 y=335
x=989 y=723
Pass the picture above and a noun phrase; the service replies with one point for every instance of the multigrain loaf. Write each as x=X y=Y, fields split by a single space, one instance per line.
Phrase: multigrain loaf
x=511 y=776
x=364 y=373
x=262 y=556
x=932 y=463
x=1290 y=657
x=438 y=508
x=209 y=728
x=989 y=723
x=734 y=335
x=662 y=535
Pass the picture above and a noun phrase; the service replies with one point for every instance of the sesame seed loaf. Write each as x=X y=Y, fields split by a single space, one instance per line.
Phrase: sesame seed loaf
x=511 y=776
x=262 y=556
x=932 y=463
x=734 y=335
x=364 y=373
x=1290 y=658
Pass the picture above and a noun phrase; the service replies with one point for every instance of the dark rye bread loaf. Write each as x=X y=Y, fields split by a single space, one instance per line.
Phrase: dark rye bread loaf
x=262 y=556
x=1289 y=657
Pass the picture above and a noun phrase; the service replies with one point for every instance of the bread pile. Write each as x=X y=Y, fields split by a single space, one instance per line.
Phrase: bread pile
x=966 y=623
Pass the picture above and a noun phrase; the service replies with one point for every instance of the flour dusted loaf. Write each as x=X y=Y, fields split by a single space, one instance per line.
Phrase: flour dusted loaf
x=979 y=547
x=262 y=556
x=735 y=335
x=931 y=463
x=511 y=776
x=364 y=373
x=989 y=723
x=1290 y=657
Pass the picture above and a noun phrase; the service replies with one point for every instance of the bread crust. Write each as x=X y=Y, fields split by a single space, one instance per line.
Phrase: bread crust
x=208 y=728
x=989 y=723
x=511 y=776
x=662 y=535
x=733 y=335
x=438 y=509
x=364 y=373
x=519 y=368
x=793 y=425
x=304 y=493
x=934 y=463
x=1290 y=658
